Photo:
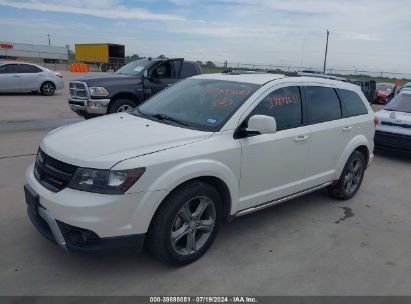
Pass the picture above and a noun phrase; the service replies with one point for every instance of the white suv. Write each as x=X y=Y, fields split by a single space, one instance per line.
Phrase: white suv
x=206 y=150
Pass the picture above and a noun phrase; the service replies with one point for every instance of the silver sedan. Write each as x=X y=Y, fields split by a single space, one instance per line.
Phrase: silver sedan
x=27 y=77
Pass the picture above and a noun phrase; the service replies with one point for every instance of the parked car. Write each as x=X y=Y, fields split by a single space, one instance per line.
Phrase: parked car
x=128 y=87
x=394 y=124
x=384 y=92
x=405 y=87
x=206 y=150
x=28 y=77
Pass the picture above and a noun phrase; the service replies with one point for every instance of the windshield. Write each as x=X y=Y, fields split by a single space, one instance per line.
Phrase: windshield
x=384 y=86
x=202 y=104
x=400 y=103
x=134 y=68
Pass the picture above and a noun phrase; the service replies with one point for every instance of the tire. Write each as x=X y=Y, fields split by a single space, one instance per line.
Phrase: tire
x=122 y=105
x=351 y=178
x=47 y=89
x=173 y=216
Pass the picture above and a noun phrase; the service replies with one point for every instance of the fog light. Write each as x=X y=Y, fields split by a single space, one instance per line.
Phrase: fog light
x=77 y=238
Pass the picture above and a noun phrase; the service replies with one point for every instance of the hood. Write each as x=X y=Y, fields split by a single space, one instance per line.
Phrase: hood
x=109 y=80
x=102 y=142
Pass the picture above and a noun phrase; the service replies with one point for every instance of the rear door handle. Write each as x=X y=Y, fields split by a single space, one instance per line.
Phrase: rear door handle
x=347 y=128
x=16 y=76
x=301 y=138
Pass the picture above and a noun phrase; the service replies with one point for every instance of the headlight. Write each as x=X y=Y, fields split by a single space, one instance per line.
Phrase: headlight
x=98 y=91
x=105 y=181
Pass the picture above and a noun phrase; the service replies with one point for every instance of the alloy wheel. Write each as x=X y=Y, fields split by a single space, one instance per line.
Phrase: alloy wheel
x=352 y=178
x=193 y=225
x=48 y=89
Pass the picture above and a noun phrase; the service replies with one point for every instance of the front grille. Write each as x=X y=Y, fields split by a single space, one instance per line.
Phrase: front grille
x=53 y=174
x=78 y=90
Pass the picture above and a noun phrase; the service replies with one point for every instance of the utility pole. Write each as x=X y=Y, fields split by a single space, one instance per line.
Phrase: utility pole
x=326 y=51
x=48 y=36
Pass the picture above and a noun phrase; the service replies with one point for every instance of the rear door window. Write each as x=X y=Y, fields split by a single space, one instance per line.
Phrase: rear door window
x=353 y=104
x=27 y=68
x=323 y=104
x=284 y=105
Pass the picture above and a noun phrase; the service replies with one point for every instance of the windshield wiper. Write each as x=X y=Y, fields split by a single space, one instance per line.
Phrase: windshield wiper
x=166 y=117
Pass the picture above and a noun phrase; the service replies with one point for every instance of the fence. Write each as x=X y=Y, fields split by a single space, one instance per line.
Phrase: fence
x=290 y=68
x=115 y=63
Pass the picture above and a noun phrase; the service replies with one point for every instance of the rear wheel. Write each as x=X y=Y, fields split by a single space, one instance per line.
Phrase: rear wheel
x=351 y=177
x=47 y=89
x=122 y=105
x=186 y=224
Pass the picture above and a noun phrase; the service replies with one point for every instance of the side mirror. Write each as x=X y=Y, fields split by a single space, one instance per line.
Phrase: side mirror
x=146 y=74
x=262 y=124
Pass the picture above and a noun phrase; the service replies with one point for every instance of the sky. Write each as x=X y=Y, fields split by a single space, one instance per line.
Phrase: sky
x=372 y=35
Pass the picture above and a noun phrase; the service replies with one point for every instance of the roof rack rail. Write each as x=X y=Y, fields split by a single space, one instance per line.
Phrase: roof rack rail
x=239 y=72
x=315 y=75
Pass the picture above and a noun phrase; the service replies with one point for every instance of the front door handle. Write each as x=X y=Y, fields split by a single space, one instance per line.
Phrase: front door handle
x=347 y=128
x=301 y=138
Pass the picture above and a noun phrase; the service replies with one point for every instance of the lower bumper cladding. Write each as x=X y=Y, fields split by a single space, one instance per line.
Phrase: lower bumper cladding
x=73 y=238
x=392 y=141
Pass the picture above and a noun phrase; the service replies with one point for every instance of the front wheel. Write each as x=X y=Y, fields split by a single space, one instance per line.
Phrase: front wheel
x=122 y=105
x=351 y=177
x=186 y=224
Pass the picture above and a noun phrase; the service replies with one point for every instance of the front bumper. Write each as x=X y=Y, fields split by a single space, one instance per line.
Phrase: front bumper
x=90 y=106
x=107 y=220
x=392 y=141
x=73 y=238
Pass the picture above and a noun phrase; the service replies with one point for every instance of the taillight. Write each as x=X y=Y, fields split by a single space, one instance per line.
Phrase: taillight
x=59 y=76
x=375 y=120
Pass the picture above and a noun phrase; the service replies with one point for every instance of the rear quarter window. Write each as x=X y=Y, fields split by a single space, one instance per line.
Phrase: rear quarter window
x=27 y=68
x=353 y=104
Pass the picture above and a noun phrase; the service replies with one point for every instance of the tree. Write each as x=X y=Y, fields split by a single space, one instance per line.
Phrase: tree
x=162 y=57
x=210 y=64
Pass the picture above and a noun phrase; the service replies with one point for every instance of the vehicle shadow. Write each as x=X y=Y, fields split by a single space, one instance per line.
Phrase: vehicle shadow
x=230 y=235
x=398 y=155
x=20 y=94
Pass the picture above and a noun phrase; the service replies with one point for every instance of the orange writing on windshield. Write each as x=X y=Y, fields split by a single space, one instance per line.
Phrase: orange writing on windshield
x=222 y=91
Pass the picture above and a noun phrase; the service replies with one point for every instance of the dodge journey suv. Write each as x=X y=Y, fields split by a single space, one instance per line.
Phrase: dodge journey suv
x=206 y=150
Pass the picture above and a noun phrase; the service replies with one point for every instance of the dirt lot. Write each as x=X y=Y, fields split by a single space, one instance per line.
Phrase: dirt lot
x=313 y=245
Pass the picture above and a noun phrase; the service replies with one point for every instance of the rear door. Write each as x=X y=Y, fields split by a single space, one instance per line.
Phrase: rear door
x=330 y=132
x=9 y=78
x=31 y=77
x=162 y=76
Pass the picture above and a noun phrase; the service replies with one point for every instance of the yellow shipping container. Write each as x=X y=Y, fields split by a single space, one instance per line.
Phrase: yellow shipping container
x=93 y=53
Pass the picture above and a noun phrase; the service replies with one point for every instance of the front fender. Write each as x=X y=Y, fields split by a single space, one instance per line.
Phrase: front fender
x=181 y=173
x=175 y=176
x=357 y=141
